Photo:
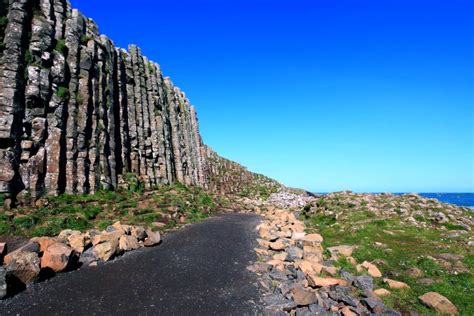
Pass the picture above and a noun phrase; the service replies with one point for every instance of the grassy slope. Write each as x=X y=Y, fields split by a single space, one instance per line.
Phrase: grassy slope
x=402 y=246
x=169 y=205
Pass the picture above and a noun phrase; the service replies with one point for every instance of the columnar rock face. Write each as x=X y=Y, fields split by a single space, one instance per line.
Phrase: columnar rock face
x=78 y=114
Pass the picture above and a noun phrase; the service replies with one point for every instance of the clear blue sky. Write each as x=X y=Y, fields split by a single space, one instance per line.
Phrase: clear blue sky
x=326 y=95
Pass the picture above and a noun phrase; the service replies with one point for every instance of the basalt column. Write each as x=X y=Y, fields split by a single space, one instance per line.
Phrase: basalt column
x=79 y=115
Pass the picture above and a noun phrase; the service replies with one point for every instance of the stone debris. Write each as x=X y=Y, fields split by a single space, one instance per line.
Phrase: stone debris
x=286 y=199
x=298 y=281
x=71 y=249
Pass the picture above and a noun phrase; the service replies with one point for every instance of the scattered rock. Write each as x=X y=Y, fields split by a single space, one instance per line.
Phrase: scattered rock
x=302 y=296
x=439 y=303
x=277 y=245
x=372 y=269
x=316 y=281
x=338 y=251
x=396 y=284
x=382 y=292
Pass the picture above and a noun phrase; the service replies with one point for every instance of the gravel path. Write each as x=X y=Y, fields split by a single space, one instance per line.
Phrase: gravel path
x=199 y=270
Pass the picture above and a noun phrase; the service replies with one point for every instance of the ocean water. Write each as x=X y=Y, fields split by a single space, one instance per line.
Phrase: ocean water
x=461 y=199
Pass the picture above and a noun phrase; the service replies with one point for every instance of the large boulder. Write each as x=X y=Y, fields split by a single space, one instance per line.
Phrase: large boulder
x=56 y=257
x=106 y=250
x=78 y=242
x=23 y=265
x=439 y=303
x=44 y=242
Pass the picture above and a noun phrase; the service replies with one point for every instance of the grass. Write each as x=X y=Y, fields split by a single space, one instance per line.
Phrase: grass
x=63 y=93
x=168 y=204
x=61 y=47
x=403 y=247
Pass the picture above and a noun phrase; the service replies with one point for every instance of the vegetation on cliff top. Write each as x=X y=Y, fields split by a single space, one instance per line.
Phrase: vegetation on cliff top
x=422 y=242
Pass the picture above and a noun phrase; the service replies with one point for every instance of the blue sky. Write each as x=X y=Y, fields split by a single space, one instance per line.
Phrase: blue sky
x=325 y=95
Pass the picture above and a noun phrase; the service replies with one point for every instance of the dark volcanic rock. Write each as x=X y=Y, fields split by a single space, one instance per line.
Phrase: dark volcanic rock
x=78 y=114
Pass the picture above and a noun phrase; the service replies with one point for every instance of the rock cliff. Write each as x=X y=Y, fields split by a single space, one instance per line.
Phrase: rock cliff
x=78 y=114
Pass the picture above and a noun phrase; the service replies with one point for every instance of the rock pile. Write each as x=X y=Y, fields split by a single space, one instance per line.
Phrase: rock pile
x=69 y=250
x=298 y=280
x=286 y=199
x=411 y=208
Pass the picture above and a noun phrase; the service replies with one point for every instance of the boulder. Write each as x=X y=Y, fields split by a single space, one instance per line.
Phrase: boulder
x=112 y=237
x=106 y=250
x=128 y=243
x=56 y=257
x=44 y=242
x=29 y=247
x=152 y=239
x=23 y=265
x=78 y=242
x=439 y=303
x=88 y=257
x=302 y=296
x=396 y=284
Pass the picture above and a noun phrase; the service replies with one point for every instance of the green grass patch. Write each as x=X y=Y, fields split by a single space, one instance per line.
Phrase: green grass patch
x=401 y=247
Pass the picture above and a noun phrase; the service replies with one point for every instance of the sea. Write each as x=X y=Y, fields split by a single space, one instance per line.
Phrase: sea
x=460 y=199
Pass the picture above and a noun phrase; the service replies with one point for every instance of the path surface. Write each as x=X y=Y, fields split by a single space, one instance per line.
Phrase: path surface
x=199 y=270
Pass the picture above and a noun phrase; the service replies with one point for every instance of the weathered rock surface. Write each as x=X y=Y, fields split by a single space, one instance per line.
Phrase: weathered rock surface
x=439 y=303
x=23 y=265
x=56 y=257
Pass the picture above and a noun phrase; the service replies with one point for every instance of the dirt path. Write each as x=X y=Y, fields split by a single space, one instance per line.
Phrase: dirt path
x=199 y=270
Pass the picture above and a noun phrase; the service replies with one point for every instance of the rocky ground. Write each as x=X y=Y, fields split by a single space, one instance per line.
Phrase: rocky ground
x=360 y=254
x=338 y=254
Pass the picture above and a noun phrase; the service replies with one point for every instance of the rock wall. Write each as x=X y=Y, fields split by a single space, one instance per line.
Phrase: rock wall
x=77 y=114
